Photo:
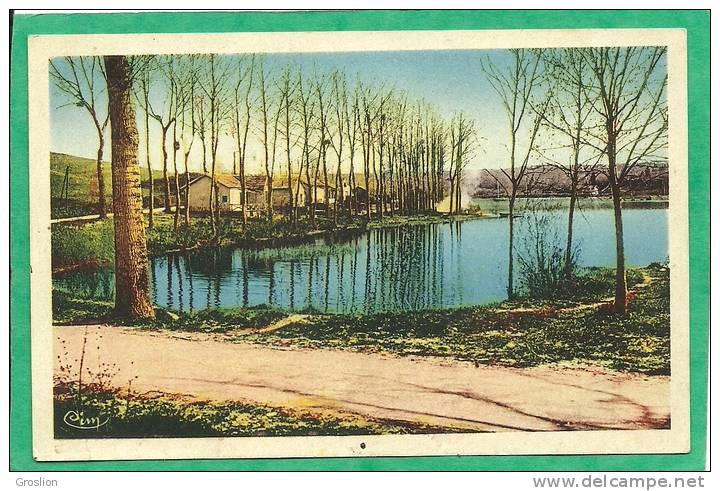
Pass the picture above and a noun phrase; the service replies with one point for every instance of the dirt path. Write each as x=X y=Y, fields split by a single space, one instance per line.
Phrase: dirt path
x=95 y=217
x=429 y=390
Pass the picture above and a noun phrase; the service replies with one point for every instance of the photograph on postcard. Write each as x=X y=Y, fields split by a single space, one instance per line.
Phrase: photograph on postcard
x=358 y=244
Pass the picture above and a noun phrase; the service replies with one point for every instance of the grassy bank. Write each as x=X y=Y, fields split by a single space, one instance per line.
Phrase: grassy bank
x=127 y=415
x=92 y=244
x=522 y=332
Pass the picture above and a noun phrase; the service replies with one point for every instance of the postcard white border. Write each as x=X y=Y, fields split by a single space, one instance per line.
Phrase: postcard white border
x=46 y=448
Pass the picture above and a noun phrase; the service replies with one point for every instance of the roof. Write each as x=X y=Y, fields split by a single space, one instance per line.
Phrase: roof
x=255 y=183
x=252 y=183
x=227 y=180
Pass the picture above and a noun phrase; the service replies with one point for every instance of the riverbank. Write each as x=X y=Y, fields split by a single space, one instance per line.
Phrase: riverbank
x=91 y=246
x=576 y=326
x=500 y=205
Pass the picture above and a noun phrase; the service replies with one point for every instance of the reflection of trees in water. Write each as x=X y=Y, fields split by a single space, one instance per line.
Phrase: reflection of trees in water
x=181 y=283
x=168 y=276
x=327 y=282
x=404 y=267
x=189 y=275
x=401 y=268
x=292 y=284
x=212 y=262
x=245 y=282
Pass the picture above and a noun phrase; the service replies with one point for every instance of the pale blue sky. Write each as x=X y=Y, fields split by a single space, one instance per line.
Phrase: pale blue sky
x=449 y=80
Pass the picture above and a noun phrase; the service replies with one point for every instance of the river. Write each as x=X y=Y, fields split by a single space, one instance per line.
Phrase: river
x=400 y=268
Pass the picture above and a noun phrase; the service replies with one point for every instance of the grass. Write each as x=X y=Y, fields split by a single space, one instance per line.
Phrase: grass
x=520 y=333
x=70 y=310
x=506 y=335
x=91 y=244
x=129 y=415
x=82 y=189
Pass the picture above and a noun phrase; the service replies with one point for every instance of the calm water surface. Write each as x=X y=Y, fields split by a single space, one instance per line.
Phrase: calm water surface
x=403 y=268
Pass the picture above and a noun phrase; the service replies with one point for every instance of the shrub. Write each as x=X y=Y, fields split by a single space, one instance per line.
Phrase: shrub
x=78 y=244
x=541 y=254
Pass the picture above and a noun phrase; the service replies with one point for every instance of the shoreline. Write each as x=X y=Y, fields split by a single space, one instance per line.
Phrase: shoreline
x=334 y=235
x=521 y=332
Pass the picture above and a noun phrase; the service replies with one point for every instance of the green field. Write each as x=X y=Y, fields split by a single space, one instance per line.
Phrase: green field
x=83 y=189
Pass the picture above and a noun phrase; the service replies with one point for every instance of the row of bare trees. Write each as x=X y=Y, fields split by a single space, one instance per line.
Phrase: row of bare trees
x=578 y=107
x=371 y=149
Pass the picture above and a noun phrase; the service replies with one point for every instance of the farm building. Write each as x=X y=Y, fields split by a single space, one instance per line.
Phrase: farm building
x=229 y=193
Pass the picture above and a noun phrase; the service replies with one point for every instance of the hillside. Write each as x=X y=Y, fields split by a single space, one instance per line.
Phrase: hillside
x=547 y=180
x=83 y=189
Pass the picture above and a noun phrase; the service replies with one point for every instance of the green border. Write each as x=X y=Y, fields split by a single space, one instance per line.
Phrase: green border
x=697 y=24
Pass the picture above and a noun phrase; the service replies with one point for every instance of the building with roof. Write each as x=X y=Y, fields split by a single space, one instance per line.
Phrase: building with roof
x=230 y=192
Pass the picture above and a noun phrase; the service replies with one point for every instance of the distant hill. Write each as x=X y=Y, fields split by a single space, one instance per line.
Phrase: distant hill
x=547 y=180
x=83 y=188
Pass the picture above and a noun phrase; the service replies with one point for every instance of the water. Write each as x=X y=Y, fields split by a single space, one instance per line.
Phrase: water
x=403 y=268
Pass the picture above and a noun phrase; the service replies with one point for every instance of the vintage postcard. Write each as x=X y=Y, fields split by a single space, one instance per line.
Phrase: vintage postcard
x=345 y=244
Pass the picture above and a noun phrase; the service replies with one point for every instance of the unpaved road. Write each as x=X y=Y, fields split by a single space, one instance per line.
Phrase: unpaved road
x=426 y=390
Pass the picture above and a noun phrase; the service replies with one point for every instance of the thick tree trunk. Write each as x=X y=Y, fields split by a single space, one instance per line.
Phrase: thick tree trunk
x=102 y=206
x=132 y=297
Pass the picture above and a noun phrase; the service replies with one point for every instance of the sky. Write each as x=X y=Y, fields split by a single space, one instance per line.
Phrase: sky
x=449 y=80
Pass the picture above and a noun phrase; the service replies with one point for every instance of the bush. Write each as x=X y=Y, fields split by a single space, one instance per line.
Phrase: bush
x=78 y=244
x=541 y=254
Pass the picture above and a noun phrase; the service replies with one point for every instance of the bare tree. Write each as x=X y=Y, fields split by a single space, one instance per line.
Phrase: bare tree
x=568 y=117
x=461 y=131
x=628 y=93
x=185 y=116
x=320 y=87
x=352 y=129
x=82 y=79
x=266 y=108
x=201 y=124
x=145 y=78
x=241 y=114
x=213 y=84
x=287 y=88
x=340 y=106
x=165 y=119
x=132 y=297
x=306 y=103
x=516 y=85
